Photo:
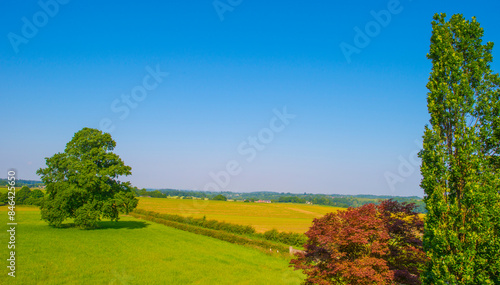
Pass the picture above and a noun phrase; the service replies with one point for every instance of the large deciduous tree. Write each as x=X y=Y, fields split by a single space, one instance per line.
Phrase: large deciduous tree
x=460 y=157
x=82 y=182
x=366 y=245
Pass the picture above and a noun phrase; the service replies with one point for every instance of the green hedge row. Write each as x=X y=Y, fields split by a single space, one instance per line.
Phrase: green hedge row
x=202 y=222
x=218 y=234
x=293 y=239
x=290 y=238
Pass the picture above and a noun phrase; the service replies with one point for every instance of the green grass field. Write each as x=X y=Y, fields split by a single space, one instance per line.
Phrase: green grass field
x=131 y=251
x=281 y=216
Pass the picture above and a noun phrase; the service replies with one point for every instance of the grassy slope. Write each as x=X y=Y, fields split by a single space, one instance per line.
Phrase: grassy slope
x=132 y=252
x=282 y=216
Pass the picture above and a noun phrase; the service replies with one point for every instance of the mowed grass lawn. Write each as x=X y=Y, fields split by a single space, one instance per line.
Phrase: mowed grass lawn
x=281 y=216
x=131 y=251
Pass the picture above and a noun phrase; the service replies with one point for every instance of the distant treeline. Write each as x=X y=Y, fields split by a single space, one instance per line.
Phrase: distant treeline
x=165 y=193
x=21 y=183
x=349 y=201
x=24 y=196
x=335 y=200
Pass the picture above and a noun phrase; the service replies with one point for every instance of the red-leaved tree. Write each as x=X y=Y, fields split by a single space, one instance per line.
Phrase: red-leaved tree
x=405 y=227
x=366 y=245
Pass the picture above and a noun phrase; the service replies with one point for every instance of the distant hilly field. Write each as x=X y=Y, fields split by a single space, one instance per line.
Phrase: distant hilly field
x=263 y=217
x=132 y=251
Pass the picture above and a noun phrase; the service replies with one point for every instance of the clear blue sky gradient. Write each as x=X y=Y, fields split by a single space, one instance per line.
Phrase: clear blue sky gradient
x=357 y=123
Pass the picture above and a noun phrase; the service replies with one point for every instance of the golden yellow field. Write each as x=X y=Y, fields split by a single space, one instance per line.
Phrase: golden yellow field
x=263 y=217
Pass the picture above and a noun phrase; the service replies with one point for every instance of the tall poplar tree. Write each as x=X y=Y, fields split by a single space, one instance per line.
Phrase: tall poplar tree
x=460 y=157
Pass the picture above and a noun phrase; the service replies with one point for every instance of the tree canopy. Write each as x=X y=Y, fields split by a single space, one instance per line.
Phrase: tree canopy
x=220 y=197
x=23 y=194
x=82 y=182
x=460 y=157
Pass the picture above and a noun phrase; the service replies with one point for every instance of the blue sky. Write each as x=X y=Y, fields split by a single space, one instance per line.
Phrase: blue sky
x=191 y=89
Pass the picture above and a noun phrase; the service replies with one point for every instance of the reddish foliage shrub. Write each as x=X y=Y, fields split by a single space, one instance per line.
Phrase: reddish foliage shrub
x=366 y=245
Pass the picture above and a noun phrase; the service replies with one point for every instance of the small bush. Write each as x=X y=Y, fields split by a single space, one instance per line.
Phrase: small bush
x=294 y=239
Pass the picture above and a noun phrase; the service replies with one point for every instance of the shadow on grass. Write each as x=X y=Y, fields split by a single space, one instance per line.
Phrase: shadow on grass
x=107 y=225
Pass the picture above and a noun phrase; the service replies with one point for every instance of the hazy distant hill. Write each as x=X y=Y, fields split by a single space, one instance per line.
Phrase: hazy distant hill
x=336 y=200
